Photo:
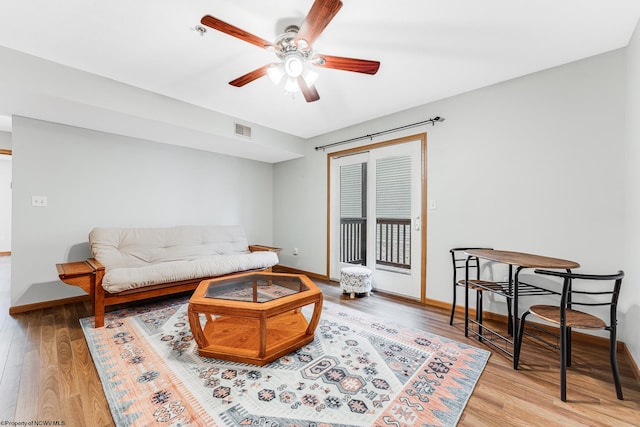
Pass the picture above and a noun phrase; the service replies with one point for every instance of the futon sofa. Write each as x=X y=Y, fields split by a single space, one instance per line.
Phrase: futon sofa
x=131 y=264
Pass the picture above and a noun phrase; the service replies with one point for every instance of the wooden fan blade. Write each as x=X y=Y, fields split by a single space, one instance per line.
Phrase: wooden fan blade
x=249 y=77
x=321 y=13
x=310 y=93
x=347 y=64
x=226 y=28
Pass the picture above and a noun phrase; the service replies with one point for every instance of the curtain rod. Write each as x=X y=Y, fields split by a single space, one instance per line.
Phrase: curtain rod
x=432 y=121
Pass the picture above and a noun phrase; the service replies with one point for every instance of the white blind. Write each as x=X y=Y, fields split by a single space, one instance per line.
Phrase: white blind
x=393 y=187
x=351 y=190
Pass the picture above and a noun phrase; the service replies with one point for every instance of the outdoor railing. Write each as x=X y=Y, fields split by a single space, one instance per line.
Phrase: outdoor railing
x=393 y=241
x=353 y=240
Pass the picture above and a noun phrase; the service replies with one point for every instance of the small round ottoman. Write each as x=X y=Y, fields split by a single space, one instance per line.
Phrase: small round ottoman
x=355 y=280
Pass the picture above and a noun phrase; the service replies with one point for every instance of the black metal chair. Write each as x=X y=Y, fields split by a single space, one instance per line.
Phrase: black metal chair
x=459 y=263
x=567 y=317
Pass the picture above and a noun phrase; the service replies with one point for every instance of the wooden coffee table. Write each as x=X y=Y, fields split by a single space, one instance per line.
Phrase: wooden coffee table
x=253 y=317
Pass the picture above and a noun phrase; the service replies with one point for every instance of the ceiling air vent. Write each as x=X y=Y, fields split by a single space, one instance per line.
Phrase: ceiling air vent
x=242 y=130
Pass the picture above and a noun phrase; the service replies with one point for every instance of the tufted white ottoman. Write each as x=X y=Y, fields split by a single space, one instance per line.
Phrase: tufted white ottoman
x=355 y=280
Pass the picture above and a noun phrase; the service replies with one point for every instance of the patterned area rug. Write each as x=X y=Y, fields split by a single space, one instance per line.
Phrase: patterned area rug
x=359 y=371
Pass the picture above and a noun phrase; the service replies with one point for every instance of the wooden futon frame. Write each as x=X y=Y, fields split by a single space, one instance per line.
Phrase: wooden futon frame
x=88 y=275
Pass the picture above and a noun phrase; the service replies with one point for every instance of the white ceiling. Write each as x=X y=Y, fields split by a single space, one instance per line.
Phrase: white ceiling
x=429 y=49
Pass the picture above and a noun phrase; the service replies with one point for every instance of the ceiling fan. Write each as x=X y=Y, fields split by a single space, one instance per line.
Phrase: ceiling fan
x=294 y=48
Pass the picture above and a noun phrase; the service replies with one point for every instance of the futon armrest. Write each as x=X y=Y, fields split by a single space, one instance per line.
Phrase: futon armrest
x=78 y=273
x=257 y=248
x=95 y=264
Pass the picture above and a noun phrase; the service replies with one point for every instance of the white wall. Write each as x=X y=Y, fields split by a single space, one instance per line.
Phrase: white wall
x=631 y=301
x=5 y=203
x=97 y=179
x=5 y=140
x=5 y=193
x=300 y=192
x=532 y=165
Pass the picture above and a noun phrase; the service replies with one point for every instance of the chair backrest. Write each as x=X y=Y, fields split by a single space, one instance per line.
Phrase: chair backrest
x=459 y=261
x=605 y=295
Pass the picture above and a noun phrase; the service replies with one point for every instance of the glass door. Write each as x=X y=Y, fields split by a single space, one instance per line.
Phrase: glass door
x=349 y=220
x=377 y=216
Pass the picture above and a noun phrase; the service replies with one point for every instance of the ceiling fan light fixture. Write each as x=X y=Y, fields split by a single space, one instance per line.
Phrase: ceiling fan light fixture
x=291 y=85
x=310 y=77
x=276 y=73
x=294 y=48
x=293 y=65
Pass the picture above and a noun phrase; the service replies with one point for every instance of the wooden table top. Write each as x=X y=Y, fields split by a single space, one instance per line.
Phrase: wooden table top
x=522 y=259
x=200 y=302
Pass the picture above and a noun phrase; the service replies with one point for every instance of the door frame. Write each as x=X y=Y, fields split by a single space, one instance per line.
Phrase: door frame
x=422 y=137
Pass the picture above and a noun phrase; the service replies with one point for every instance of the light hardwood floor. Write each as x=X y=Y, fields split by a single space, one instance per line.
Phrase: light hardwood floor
x=47 y=372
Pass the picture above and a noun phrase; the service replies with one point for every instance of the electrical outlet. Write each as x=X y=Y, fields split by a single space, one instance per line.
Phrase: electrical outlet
x=296 y=251
x=39 y=201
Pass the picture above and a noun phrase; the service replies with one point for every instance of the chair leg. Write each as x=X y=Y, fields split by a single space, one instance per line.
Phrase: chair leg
x=453 y=305
x=568 y=346
x=510 y=319
x=563 y=362
x=518 y=341
x=479 y=313
x=613 y=356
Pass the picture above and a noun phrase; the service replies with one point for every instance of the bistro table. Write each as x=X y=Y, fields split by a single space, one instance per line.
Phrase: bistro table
x=511 y=289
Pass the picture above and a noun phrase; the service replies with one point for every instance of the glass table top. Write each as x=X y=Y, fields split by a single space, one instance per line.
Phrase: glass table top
x=257 y=288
